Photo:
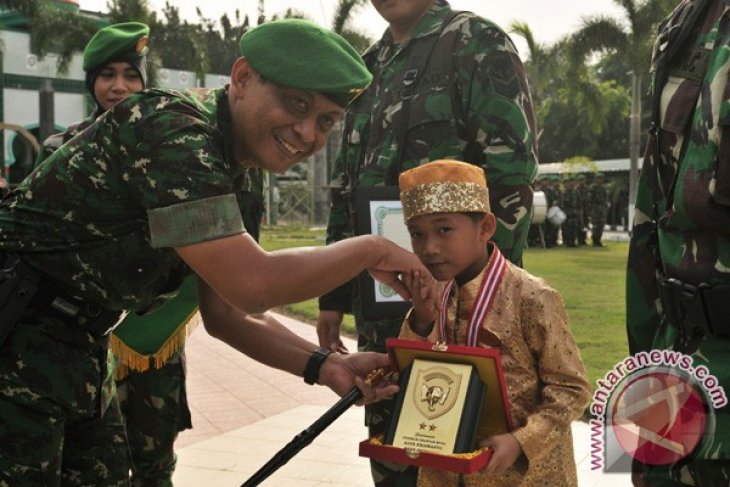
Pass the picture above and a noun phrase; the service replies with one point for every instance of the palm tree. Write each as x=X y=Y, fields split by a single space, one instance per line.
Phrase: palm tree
x=634 y=39
x=555 y=79
x=343 y=13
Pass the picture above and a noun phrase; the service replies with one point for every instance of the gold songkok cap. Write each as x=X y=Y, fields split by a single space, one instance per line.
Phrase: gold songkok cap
x=444 y=186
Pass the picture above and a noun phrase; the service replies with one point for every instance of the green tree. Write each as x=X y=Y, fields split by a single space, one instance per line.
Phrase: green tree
x=572 y=106
x=53 y=28
x=340 y=24
x=633 y=39
x=222 y=43
x=180 y=44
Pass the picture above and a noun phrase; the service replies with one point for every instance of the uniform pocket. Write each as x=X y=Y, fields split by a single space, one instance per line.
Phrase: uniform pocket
x=720 y=182
x=678 y=101
x=431 y=132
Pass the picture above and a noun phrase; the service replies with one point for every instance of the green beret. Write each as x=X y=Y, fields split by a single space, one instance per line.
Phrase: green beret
x=300 y=54
x=117 y=42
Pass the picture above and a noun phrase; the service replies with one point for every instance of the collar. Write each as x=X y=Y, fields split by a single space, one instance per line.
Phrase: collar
x=429 y=24
x=226 y=128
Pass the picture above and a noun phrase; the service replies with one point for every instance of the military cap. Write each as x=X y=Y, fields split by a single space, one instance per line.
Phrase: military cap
x=443 y=186
x=117 y=42
x=300 y=54
x=125 y=42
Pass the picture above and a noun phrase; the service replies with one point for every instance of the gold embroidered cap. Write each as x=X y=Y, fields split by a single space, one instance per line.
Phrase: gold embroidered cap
x=443 y=186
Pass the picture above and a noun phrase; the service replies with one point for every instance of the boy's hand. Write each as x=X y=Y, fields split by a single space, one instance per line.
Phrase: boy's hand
x=506 y=452
x=426 y=305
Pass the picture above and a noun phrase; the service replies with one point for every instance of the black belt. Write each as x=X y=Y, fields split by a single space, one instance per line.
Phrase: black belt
x=695 y=311
x=52 y=301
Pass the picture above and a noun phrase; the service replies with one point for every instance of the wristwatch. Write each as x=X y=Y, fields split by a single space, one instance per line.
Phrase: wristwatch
x=311 y=371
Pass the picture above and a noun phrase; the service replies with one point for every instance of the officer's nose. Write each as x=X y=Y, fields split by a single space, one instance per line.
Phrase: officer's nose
x=307 y=129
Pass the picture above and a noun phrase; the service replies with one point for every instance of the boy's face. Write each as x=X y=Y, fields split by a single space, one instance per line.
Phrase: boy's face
x=452 y=245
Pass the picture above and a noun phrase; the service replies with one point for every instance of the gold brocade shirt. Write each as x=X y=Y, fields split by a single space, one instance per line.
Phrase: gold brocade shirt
x=545 y=377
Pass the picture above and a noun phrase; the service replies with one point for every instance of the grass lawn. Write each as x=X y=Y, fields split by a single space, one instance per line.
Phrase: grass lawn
x=591 y=281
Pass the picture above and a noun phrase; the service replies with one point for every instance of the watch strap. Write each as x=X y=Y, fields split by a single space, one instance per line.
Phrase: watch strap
x=314 y=364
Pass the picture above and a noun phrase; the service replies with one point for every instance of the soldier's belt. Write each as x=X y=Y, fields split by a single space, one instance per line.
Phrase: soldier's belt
x=695 y=311
x=51 y=301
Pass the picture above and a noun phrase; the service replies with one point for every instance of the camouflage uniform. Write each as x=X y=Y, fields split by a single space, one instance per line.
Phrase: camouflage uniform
x=571 y=204
x=476 y=107
x=598 y=205
x=683 y=214
x=99 y=217
x=552 y=194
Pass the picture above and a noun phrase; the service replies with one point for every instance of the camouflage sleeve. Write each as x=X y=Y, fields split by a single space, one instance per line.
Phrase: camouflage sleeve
x=49 y=146
x=642 y=294
x=498 y=111
x=339 y=227
x=172 y=153
x=55 y=141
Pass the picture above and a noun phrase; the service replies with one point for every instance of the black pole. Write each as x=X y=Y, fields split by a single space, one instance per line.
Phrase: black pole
x=46 y=125
x=304 y=438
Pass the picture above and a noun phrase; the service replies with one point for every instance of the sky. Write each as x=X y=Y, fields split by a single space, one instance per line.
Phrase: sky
x=548 y=19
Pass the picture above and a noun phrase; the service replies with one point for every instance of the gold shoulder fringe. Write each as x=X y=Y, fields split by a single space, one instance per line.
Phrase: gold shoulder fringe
x=128 y=359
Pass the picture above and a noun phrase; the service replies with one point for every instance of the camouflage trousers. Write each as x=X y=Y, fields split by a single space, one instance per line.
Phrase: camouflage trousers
x=377 y=417
x=60 y=422
x=570 y=229
x=155 y=408
x=597 y=231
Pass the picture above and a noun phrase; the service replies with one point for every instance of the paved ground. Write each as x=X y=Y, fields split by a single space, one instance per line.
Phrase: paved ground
x=244 y=412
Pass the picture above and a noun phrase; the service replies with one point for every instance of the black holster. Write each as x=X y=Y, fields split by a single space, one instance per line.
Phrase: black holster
x=18 y=285
x=695 y=311
x=23 y=288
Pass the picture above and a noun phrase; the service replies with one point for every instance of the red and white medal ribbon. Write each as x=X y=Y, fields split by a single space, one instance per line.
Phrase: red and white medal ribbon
x=487 y=289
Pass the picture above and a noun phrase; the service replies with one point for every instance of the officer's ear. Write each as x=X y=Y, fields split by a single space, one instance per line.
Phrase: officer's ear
x=241 y=74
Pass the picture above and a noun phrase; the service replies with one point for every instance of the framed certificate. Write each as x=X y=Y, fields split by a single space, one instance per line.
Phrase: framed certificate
x=379 y=212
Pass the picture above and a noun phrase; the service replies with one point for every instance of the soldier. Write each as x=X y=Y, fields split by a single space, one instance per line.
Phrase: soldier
x=447 y=85
x=571 y=205
x=121 y=214
x=598 y=205
x=150 y=375
x=552 y=195
x=678 y=285
x=115 y=63
x=582 y=187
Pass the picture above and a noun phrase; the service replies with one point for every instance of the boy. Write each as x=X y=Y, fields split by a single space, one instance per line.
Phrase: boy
x=483 y=300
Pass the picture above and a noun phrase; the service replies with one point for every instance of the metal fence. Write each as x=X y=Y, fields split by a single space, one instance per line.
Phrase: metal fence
x=301 y=196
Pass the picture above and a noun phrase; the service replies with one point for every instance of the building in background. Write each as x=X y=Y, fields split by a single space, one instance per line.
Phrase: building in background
x=24 y=76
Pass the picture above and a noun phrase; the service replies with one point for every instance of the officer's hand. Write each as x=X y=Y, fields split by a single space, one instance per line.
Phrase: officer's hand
x=506 y=452
x=329 y=324
x=343 y=372
x=394 y=261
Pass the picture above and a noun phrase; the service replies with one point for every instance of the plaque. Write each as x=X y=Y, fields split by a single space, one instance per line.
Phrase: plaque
x=438 y=408
x=487 y=416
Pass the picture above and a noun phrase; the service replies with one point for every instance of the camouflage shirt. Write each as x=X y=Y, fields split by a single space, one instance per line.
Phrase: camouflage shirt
x=472 y=103
x=101 y=214
x=55 y=141
x=683 y=198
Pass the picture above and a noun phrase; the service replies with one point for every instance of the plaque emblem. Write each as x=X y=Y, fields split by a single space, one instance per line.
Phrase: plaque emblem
x=436 y=391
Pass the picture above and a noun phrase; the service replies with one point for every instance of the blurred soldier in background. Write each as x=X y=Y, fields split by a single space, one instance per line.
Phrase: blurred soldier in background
x=597 y=205
x=551 y=187
x=572 y=206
